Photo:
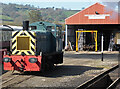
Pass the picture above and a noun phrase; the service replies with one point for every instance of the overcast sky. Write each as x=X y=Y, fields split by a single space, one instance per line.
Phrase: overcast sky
x=68 y=4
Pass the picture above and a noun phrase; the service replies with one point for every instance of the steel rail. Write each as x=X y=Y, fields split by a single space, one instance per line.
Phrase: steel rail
x=114 y=84
x=96 y=78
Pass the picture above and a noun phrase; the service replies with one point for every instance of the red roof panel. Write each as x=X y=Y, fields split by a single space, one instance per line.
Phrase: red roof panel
x=95 y=14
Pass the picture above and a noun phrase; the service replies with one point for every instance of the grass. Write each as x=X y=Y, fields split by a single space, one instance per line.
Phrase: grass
x=5 y=17
x=7 y=23
x=69 y=13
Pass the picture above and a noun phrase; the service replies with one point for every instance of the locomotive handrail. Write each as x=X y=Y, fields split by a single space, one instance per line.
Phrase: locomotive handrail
x=9 y=27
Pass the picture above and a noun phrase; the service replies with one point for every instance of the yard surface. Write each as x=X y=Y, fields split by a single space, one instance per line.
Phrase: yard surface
x=78 y=67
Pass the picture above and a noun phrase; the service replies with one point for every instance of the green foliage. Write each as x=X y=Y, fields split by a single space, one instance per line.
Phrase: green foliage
x=69 y=13
x=5 y=17
x=0 y=10
x=35 y=16
x=17 y=13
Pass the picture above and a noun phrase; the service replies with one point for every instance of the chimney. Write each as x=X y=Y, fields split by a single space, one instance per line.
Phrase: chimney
x=25 y=25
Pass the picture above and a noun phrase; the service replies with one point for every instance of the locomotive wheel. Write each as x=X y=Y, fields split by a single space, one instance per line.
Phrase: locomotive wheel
x=47 y=66
x=51 y=66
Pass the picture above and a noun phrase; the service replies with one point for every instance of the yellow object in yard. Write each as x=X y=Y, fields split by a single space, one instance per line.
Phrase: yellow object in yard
x=95 y=37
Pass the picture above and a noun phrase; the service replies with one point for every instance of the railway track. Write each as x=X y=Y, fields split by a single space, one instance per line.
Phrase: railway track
x=102 y=81
x=10 y=80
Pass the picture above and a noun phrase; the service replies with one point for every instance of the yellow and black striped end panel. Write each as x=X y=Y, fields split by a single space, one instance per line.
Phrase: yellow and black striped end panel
x=16 y=50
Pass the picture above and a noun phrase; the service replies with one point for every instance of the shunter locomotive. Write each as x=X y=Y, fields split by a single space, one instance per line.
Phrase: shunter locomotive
x=35 y=48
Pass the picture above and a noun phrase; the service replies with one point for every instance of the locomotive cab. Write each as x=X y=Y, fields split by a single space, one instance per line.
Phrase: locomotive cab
x=35 y=48
x=48 y=35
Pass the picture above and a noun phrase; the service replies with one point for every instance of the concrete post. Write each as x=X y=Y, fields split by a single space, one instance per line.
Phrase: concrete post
x=102 y=43
x=65 y=36
x=102 y=46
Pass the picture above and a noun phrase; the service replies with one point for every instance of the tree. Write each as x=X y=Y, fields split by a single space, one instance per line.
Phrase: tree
x=35 y=16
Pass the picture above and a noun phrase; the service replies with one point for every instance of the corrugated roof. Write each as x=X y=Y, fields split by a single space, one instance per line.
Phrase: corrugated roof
x=95 y=14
